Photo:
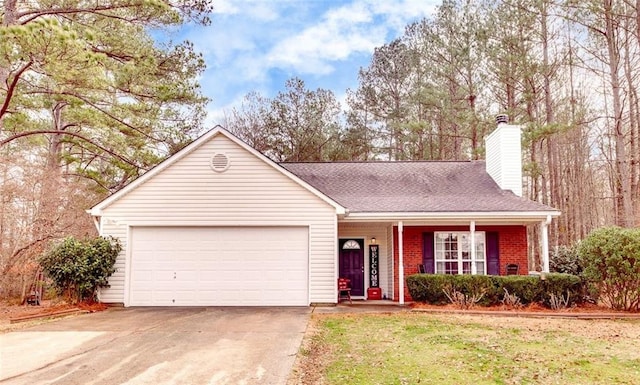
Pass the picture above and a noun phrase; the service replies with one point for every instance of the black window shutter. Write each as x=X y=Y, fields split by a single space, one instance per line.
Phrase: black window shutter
x=493 y=253
x=428 y=259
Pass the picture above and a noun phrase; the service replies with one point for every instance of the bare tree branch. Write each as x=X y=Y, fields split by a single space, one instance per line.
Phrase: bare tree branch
x=58 y=132
x=34 y=14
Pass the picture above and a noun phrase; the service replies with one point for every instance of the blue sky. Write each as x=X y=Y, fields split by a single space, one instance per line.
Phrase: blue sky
x=257 y=45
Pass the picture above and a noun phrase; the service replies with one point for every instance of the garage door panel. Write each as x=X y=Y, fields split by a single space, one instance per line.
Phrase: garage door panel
x=219 y=266
x=159 y=298
x=142 y=296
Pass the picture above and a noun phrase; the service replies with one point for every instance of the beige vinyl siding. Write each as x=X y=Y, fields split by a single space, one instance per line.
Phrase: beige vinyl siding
x=366 y=231
x=114 y=293
x=390 y=266
x=249 y=193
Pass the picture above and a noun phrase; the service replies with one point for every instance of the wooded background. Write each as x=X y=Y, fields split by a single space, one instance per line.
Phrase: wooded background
x=89 y=101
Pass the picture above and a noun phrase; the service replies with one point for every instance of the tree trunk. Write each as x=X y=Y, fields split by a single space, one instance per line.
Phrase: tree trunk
x=633 y=123
x=51 y=181
x=552 y=152
x=622 y=182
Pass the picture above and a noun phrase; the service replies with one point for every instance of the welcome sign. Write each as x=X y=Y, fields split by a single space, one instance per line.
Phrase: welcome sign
x=374 y=268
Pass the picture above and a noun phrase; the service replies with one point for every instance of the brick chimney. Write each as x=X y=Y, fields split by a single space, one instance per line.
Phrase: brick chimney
x=504 y=155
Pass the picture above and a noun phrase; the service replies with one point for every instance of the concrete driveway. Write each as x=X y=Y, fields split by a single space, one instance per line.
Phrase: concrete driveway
x=157 y=346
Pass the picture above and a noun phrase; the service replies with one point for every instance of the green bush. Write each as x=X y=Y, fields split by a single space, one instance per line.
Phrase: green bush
x=611 y=258
x=565 y=259
x=428 y=288
x=79 y=267
x=431 y=288
x=475 y=285
x=527 y=288
x=568 y=286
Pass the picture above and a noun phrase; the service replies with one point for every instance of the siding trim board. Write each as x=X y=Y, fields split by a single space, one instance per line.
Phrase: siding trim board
x=127 y=264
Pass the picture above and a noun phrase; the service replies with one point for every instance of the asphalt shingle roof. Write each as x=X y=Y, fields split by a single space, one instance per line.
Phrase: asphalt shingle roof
x=412 y=187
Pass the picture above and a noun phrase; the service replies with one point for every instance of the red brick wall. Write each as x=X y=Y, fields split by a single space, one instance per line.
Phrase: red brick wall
x=513 y=248
x=512 y=245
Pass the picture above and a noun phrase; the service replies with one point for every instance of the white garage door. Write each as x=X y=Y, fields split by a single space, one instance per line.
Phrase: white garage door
x=219 y=266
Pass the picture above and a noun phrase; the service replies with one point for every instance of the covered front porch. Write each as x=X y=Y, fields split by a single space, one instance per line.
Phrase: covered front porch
x=374 y=253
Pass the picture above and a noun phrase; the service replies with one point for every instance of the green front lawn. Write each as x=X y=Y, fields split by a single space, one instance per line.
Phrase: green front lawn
x=413 y=348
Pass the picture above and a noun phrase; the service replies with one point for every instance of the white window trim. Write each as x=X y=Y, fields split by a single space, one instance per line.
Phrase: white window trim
x=351 y=244
x=473 y=255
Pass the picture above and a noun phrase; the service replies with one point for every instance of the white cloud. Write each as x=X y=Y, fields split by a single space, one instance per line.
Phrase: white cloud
x=315 y=50
x=357 y=12
x=397 y=14
x=354 y=28
x=323 y=42
x=340 y=33
x=262 y=11
x=225 y=7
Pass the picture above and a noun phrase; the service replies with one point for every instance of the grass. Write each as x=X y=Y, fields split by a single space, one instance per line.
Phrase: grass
x=410 y=348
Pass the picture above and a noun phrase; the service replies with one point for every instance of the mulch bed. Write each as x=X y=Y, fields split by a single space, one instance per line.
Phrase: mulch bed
x=584 y=311
x=24 y=313
x=47 y=314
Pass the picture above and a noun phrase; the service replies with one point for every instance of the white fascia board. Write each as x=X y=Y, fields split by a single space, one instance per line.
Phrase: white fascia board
x=97 y=209
x=507 y=216
x=211 y=223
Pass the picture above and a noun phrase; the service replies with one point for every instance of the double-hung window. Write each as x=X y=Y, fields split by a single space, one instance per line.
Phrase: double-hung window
x=453 y=253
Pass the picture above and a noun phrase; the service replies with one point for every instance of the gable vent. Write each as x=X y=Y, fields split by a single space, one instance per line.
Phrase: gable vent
x=219 y=163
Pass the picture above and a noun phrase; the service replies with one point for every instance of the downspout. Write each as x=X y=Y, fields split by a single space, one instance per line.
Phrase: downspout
x=545 y=244
x=400 y=263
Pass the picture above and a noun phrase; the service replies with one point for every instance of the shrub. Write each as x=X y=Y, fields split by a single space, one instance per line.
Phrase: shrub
x=433 y=288
x=558 y=302
x=486 y=290
x=462 y=300
x=480 y=287
x=79 y=267
x=511 y=300
x=566 y=287
x=527 y=288
x=565 y=259
x=611 y=258
x=428 y=288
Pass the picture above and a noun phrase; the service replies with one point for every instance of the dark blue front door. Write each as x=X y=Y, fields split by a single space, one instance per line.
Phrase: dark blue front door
x=352 y=264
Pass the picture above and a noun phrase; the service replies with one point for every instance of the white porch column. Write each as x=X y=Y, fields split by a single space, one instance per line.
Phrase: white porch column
x=472 y=231
x=400 y=264
x=544 y=234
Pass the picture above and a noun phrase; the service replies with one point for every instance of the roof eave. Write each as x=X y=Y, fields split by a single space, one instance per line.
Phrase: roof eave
x=466 y=216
